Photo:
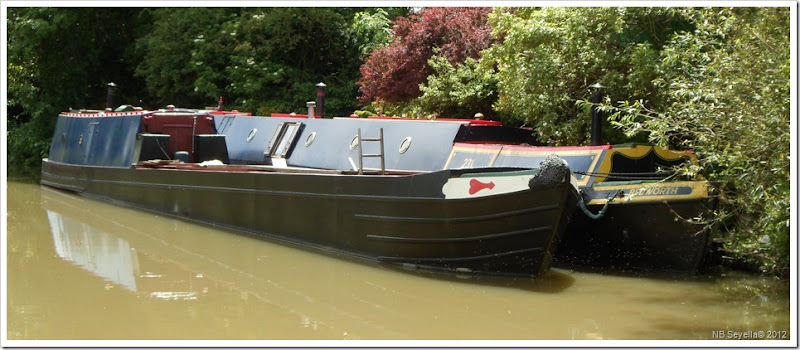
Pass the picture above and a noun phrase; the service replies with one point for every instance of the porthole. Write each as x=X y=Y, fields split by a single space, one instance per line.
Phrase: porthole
x=354 y=142
x=251 y=135
x=310 y=139
x=405 y=144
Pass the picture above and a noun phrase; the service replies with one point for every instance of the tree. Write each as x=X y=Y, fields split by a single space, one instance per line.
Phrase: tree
x=546 y=59
x=259 y=60
x=371 y=30
x=459 y=90
x=183 y=56
x=393 y=73
x=726 y=87
x=60 y=58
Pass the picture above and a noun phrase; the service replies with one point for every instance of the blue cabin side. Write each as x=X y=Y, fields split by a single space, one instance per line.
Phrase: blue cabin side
x=331 y=143
x=95 y=140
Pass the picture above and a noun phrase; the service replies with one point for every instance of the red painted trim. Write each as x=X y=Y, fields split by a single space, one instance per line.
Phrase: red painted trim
x=287 y=115
x=465 y=121
x=160 y=113
x=233 y=112
x=475 y=121
x=504 y=144
x=103 y=114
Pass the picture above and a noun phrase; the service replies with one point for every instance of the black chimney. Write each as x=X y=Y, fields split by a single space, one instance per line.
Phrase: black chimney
x=321 y=100
x=110 y=96
x=597 y=122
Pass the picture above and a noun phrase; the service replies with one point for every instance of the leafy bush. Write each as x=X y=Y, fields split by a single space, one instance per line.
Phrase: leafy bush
x=259 y=60
x=726 y=89
x=458 y=91
x=546 y=58
x=60 y=59
x=713 y=80
x=393 y=73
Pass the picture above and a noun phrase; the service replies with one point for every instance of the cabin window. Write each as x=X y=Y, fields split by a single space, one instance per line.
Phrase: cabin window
x=310 y=139
x=252 y=134
x=286 y=138
x=282 y=140
x=405 y=144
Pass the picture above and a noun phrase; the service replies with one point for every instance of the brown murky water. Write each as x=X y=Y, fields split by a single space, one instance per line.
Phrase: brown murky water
x=83 y=269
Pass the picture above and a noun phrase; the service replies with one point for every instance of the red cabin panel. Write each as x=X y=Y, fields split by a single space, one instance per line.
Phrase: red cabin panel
x=181 y=128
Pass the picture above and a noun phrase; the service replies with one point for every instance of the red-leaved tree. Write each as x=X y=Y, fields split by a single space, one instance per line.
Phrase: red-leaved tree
x=393 y=73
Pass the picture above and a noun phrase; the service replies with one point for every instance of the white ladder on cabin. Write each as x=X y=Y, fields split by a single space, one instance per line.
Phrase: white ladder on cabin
x=361 y=154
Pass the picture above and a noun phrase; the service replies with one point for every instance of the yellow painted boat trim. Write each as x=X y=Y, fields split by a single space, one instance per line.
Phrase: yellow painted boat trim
x=655 y=192
x=640 y=151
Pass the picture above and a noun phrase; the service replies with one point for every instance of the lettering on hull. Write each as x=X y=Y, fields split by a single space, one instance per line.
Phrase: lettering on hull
x=648 y=193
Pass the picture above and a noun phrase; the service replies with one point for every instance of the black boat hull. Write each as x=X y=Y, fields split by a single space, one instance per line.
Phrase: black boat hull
x=638 y=236
x=640 y=230
x=377 y=218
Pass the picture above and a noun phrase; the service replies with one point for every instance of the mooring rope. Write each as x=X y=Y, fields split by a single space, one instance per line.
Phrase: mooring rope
x=602 y=211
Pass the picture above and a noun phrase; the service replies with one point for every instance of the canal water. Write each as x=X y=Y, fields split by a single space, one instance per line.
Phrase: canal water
x=81 y=269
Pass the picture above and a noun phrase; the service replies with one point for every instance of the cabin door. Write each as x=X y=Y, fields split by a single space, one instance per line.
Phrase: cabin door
x=87 y=150
x=180 y=139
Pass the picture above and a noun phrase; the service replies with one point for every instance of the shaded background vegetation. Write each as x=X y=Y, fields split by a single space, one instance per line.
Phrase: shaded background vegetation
x=714 y=80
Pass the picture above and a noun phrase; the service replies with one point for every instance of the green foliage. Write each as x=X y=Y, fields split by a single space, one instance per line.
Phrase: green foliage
x=28 y=143
x=182 y=56
x=548 y=57
x=59 y=58
x=718 y=79
x=259 y=60
x=363 y=113
x=458 y=91
x=726 y=89
x=404 y=110
x=371 y=30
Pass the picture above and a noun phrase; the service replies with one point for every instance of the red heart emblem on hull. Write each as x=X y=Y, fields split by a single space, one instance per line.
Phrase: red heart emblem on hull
x=475 y=186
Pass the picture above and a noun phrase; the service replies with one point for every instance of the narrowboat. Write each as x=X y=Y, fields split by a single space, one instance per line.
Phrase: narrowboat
x=285 y=179
x=634 y=211
x=634 y=214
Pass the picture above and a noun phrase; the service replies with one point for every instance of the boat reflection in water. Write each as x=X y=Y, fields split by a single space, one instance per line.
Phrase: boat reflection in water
x=116 y=261
x=304 y=295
